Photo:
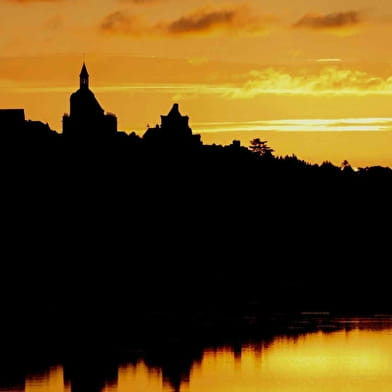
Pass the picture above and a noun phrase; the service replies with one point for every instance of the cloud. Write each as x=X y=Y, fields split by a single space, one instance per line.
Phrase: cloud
x=330 y=81
x=298 y=125
x=32 y=1
x=328 y=60
x=121 y=22
x=335 y=22
x=206 y=20
x=198 y=60
x=141 y=2
x=55 y=22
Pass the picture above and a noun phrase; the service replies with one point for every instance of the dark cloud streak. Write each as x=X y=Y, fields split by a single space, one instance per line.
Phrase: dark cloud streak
x=121 y=22
x=202 y=21
x=338 y=20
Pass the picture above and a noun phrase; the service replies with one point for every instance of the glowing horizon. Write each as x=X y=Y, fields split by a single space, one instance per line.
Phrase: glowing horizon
x=233 y=62
x=300 y=125
x=327 y=81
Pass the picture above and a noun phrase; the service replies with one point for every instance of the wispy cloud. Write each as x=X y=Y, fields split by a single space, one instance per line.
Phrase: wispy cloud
x=329 y=81
x=339 y=22
x=55 y=22
x=141 y=2
x=31 y=1
x=186 y=89
x=298 y=125
x=123 y=23
x=206 y=20
x=330 y=60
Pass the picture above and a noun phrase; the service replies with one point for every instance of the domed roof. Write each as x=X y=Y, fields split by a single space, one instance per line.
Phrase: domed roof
x=83 y=102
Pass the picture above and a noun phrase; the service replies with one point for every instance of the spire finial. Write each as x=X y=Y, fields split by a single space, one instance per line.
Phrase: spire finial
x=83 y=76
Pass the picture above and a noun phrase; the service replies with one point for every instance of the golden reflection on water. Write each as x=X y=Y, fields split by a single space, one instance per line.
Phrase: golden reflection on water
x=349 y=361
x=339 y=361
x=137 y=378
x=358 y=360
x=52 y=381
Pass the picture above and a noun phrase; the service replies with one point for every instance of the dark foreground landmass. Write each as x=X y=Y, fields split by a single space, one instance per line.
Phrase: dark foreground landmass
x=105 y=236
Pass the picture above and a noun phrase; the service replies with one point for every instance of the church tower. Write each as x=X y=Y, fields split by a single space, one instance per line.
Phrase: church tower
x=87 y=118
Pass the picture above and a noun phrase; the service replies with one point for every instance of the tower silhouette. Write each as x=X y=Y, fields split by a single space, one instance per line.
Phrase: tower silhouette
x=84 y=77
x=87 y=118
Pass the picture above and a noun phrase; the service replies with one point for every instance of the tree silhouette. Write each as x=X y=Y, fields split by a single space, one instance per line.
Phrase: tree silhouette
x=345 y=163
x=261 y=148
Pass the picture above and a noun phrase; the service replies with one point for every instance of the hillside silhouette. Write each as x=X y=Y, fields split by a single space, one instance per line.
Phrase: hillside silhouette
x=99 y=225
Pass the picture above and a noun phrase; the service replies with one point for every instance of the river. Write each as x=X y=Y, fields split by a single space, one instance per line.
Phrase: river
x=326 y=355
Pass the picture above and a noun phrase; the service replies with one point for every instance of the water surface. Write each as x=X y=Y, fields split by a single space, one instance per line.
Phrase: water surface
x=349 y=355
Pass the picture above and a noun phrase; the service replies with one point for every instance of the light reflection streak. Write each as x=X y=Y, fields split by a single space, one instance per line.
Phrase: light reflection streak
x=299 y=125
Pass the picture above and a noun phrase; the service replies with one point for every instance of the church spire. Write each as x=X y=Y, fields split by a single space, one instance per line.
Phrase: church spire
x=83 y=77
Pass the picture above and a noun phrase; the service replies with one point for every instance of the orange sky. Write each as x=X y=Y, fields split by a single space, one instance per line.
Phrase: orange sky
x=230 y=63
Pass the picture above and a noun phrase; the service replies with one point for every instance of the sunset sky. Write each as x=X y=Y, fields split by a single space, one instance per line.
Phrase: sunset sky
x=312 y=77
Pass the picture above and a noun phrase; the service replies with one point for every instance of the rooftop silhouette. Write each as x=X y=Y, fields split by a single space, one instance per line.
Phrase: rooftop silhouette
x=174 y=130
x=12 y=118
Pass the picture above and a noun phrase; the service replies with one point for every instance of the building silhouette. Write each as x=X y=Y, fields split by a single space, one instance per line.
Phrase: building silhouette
x=174 y=130
x=11 y=119
x=175 y=122
x=15 y=126
x=87 y=118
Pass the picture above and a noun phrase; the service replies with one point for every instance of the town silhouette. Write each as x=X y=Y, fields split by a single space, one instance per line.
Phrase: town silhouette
x=106 y=234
